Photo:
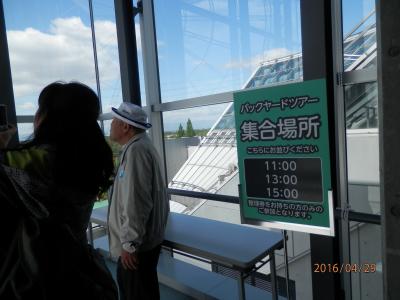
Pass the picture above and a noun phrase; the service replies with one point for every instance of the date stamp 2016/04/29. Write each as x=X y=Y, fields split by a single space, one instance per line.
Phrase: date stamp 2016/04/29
x=340 y=268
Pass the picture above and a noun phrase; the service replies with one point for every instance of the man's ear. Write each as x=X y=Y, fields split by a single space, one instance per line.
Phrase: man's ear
x=126 y=127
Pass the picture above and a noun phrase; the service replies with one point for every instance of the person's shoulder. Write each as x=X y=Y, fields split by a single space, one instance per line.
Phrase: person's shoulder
x=143 y=147
x=22 y=157
x=34 y=159
x=142 y=142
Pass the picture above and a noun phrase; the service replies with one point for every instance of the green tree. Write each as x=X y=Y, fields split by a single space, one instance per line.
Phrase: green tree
x=180 y=133
x=189 y=129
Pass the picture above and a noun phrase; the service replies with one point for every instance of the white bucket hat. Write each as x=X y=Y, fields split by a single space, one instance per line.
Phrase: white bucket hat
x=132 y=114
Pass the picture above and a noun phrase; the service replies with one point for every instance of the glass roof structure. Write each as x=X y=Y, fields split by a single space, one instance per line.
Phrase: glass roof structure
x=359 y=47
x=214 y=162
x=288 y=68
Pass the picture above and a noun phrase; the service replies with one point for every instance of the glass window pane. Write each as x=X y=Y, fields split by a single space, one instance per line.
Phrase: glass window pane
x=362 y=147
x=205 y=161
x=47 y=43
x=206 y=47
x=108 y=56
x=361 y=105
x=107 y=53
x=25 y=131
x=140 y=62
x=365 y=253
x=185 y=130
x=359 y=34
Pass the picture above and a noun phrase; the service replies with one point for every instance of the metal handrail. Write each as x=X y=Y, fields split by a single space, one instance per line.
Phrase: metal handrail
x=351 y=215
x=201 y=195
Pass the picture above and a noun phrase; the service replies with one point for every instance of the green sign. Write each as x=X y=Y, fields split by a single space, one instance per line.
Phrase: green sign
x=284 y=161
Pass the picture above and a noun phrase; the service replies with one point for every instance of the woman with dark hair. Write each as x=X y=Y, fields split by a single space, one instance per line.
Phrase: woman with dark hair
x=68 y=152
x=56 y=177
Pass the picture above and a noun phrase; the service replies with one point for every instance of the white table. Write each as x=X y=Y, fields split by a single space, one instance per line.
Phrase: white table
x=234 y=246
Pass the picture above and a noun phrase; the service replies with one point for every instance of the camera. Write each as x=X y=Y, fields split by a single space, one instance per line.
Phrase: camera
x=3 y=118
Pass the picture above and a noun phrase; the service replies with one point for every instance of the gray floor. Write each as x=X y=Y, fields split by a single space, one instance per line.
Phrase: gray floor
x=166 y=293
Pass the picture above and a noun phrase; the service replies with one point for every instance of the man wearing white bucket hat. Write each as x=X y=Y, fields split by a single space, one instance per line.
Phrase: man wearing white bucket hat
x=139 y=205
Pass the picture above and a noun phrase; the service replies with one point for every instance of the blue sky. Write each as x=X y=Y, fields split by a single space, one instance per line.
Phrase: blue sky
x=38 y=14
x=354 y=11
x=204 y=47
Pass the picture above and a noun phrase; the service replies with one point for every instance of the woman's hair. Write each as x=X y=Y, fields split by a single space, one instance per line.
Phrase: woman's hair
x=68 y=115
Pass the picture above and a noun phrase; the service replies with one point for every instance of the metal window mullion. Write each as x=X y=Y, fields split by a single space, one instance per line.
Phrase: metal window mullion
x=6 y=86
x=316 y=34
x=96 y=64
x=127 y=50
x=219 y=98
x=359 y=76
x=388 y=61
x=341 y=142
x=25 y=119
x=152 y=77
x=194 y=102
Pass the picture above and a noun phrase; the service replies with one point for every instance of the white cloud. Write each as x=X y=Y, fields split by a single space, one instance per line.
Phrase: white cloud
x=255 y=61
x=63 y=53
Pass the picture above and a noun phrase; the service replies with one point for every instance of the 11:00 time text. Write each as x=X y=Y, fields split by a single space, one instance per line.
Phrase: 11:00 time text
x=283 y=165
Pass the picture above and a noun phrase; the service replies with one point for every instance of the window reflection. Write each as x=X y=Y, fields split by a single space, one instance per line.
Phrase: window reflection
x=207 y=47
x=187 y=133
x=361 y=105
x=363 y=146
x=359 y=31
